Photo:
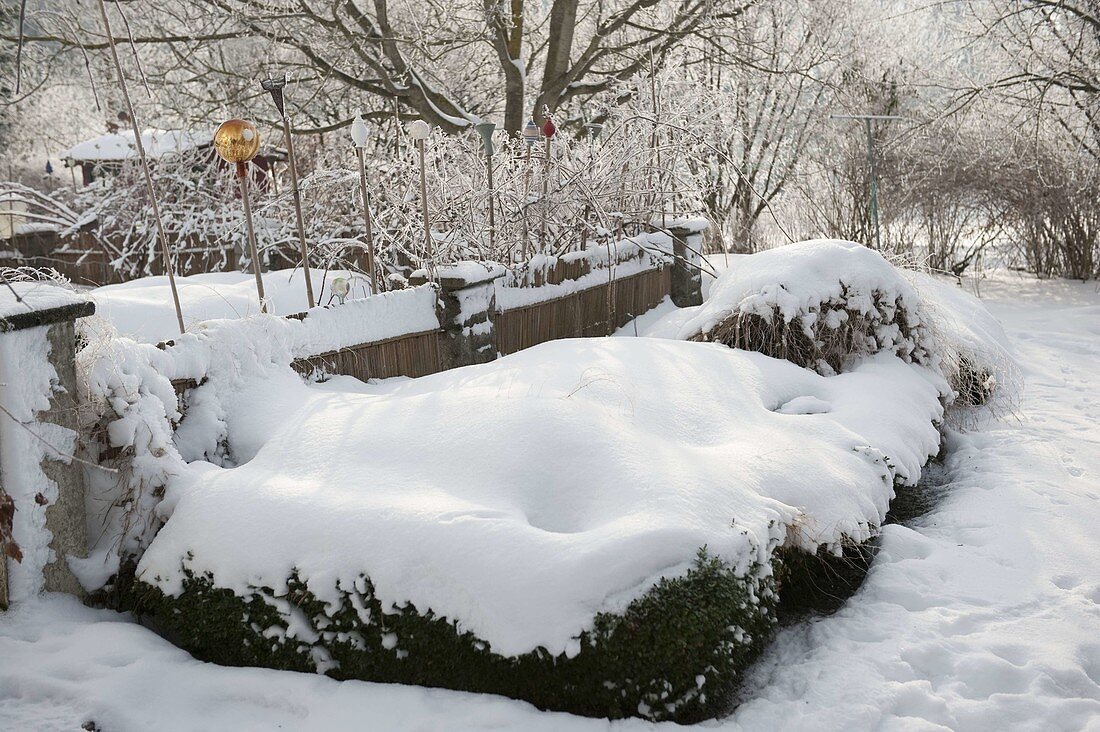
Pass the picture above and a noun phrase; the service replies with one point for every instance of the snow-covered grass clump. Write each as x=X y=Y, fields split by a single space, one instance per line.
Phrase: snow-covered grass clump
x=975 y=355
x=828 y=304
x=534 y=526
x=823 y=304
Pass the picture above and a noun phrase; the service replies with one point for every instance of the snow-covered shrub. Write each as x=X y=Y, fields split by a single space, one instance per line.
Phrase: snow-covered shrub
x=130 y=406
x=675 y=653
x=512 y=527
x=821 y=304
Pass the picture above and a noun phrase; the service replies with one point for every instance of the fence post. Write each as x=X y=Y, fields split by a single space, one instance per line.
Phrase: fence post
x=467 y=306
x=38 y=436
x=687 y=277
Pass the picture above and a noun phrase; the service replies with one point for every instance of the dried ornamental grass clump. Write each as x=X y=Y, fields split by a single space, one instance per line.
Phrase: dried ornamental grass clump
x=821 y=304
x=974 y=353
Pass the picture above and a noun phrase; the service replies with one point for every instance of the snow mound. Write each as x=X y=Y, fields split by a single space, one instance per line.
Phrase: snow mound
x=822 y=304
x=522 y=497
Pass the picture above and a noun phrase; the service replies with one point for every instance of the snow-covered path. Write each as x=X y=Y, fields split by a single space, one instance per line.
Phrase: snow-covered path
x=982 y=615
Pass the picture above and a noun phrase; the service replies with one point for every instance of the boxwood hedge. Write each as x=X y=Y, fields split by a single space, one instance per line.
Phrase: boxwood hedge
x=674 y=654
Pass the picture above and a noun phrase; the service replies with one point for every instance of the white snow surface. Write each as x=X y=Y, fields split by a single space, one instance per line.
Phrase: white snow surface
x=25 y=296
x=980 y=616
x=524 y=496
x=142 y=309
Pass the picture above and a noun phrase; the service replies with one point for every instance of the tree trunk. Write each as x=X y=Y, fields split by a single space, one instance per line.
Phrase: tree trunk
x=506 y=21
x=555 y=77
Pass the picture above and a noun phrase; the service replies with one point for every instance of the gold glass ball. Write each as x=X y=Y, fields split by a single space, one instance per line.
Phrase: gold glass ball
x=237 y=141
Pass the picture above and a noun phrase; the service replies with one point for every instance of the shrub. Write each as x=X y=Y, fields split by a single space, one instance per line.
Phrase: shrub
x=675 y=653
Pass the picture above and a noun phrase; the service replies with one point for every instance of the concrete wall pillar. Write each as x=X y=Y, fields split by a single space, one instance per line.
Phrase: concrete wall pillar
x=467 y=304
x=38 y=437
x=687 y=277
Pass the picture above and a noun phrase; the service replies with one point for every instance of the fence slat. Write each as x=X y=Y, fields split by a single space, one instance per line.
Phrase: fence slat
x=582 y=313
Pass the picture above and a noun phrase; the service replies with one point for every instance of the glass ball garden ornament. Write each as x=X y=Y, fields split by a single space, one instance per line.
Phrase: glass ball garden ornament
x=548 y=127
x=530 y=133
x=237 y=141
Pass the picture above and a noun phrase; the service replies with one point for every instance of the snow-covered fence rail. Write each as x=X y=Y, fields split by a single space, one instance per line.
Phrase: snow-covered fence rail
x=478 y=311
x=593 y=292
x=590 y=311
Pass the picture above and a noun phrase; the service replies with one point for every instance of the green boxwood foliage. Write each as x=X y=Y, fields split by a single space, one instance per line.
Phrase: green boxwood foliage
x=674 y=654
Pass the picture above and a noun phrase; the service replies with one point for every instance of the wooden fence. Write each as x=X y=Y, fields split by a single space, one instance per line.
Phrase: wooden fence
x=84 y=262
x=583 y=313
x=415 y=354
x=470 y=315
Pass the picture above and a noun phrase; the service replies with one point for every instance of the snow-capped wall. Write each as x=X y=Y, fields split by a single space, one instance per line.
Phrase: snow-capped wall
x=38 y=439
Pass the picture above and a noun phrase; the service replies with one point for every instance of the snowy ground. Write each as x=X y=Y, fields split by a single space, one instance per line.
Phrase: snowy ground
x=982 y=615
x=142 y=309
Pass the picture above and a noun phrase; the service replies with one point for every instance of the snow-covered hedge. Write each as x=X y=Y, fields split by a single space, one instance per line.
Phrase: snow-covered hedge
x=130 y=401
x=676 y=652
x=533 y=526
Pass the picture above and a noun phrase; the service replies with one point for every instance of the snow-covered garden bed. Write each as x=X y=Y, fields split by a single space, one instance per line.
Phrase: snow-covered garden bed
x=598 y=526
x=142 y=308
x=588 y=524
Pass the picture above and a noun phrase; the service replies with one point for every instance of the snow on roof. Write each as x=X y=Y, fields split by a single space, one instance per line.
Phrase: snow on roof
x=120 y=145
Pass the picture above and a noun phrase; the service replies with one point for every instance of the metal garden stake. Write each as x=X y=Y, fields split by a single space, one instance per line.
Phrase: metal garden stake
x=485 y=129
x=359 y=137
x=140 y=145
x=530 y=137
x=419 y=131
x=275 y=87
x=238 y=141
x=548 y=130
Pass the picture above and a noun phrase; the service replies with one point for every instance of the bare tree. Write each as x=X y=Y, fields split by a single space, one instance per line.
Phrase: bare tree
x=773 y=74
x=1051 y=58
x=451 y=64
